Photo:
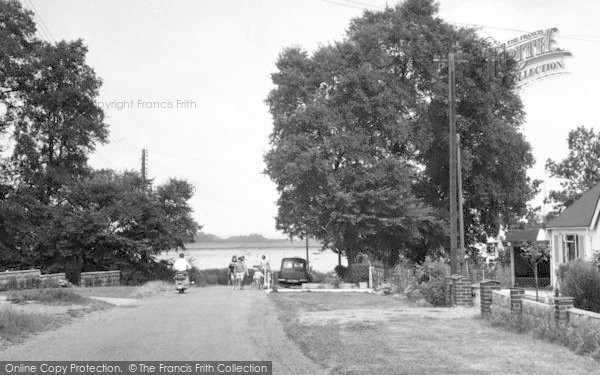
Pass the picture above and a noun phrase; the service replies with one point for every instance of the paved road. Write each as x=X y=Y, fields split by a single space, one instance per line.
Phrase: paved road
x=213 y=323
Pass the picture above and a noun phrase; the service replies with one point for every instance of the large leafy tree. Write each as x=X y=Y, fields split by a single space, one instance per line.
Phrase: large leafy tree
x=110 y=220
x=59 y=122
x=56 y=213
x=579 y=171
x=359 y=144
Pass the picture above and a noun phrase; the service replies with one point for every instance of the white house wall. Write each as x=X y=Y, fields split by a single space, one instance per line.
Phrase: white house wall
x=591 y=241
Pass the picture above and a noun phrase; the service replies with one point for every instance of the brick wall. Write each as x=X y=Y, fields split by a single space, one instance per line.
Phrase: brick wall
x=19 y=279
x=52 y=280
x=101 y=278
x=461 y=291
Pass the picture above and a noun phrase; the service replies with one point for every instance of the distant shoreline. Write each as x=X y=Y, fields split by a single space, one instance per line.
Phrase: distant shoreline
x=271 y=244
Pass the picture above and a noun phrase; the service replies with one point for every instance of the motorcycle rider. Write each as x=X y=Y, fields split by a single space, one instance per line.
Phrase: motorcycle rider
x=182 y=265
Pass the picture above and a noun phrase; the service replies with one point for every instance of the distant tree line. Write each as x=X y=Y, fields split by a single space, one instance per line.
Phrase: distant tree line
x=56 y=212
x=359 y=147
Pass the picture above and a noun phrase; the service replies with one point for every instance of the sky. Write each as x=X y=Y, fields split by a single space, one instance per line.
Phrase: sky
x=187 y=80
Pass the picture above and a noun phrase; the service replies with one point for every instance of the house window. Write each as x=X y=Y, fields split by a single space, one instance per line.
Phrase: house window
x=571 y=247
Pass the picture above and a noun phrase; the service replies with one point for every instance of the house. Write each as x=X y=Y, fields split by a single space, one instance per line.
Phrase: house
x=575 y=233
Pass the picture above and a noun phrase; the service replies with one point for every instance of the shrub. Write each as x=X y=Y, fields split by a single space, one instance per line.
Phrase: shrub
x=140 y=273
x=581 y=280
x=357 y=273
x=318 y=277
x=340 y=271
x=213 y=276
x=433 y=291
x=428 y=282
x=431 y=269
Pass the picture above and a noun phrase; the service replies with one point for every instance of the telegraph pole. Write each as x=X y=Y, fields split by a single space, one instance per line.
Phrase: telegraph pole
x=461 y=221
x=452 y=150
x=144 y=172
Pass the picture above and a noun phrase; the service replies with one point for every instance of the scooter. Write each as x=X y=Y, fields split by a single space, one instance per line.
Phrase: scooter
x=182 y=281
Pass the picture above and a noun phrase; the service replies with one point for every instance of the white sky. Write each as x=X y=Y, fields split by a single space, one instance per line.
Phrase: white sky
x=219 y=54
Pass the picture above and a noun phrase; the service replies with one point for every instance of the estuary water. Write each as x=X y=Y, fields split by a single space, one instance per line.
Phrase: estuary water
x=218 y=254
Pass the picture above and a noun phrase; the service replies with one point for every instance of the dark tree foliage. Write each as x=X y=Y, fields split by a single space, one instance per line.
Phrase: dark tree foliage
x=359 y=144
x=56 y=213
x=579 y=171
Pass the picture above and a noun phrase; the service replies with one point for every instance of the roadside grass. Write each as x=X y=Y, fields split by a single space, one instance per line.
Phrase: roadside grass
x=361 y=333
x=151 y=288
x=121 y=291
x=47 y=296
x=15 y=323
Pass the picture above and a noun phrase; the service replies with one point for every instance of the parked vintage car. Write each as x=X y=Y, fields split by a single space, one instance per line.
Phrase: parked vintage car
x=293 y=272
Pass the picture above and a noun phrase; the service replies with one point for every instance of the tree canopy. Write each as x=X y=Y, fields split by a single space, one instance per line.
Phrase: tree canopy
x=579 y=171
x=56 y=212
x=359 y=148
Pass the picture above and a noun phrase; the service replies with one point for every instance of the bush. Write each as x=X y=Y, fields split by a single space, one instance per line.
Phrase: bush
x=340 y=271
x=428 y=282
x=213 y=276
x=433 y=291
x=357 y=273
x=318 y=277
x=581 y=280
x=140 y=273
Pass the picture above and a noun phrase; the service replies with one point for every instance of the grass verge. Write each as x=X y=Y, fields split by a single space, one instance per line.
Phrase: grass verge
x=15 y=323
x=46 y=296
x=151 y=288
x=583 y=339
x=358 y=333
x=38 y=310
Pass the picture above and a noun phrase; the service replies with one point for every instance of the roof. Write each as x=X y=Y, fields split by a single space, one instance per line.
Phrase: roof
x=522 y=235
x=580 y=213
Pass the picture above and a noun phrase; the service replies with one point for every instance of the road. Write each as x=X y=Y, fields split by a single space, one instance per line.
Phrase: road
x=204 y=324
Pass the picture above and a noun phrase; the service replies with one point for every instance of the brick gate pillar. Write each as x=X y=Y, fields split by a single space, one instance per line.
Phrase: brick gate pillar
x=516 y=300
x=561 y=306
x=486 y=288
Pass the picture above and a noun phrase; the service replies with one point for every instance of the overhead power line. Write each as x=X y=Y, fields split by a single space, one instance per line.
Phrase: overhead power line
x=361 y=6
x=41 y=23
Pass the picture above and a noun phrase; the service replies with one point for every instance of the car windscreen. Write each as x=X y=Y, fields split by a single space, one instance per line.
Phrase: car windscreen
x=292 y=264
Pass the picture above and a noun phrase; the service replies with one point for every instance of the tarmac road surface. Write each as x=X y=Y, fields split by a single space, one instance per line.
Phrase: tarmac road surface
x=204 y=324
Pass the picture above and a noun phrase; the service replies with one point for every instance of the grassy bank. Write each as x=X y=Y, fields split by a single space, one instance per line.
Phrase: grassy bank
x=29 y=311
x=358 y=333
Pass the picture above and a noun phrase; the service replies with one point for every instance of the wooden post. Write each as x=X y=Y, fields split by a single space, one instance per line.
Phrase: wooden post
x=452 y=166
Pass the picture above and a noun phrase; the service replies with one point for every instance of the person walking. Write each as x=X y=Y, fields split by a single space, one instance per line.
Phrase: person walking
x=231 y=271
x=243 y=271
x=265 y=268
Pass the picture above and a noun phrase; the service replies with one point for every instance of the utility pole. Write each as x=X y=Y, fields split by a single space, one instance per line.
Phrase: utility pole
x=461 y=220
x=306 y=238
x=456 y=257
x=452 y=151
x=144 y=172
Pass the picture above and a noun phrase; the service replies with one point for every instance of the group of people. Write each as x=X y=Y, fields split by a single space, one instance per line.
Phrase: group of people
x=238 y=270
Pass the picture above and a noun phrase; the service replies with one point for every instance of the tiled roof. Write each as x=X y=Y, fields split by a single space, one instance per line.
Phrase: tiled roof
x=580 y=213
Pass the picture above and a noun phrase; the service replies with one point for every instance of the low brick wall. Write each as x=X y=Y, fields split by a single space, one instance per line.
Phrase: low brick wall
x=52 y=280
x=101 y=278
x=538 y=309
x=503 y=301
x=500 y=300
x=580 y=317
x=19 y=279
